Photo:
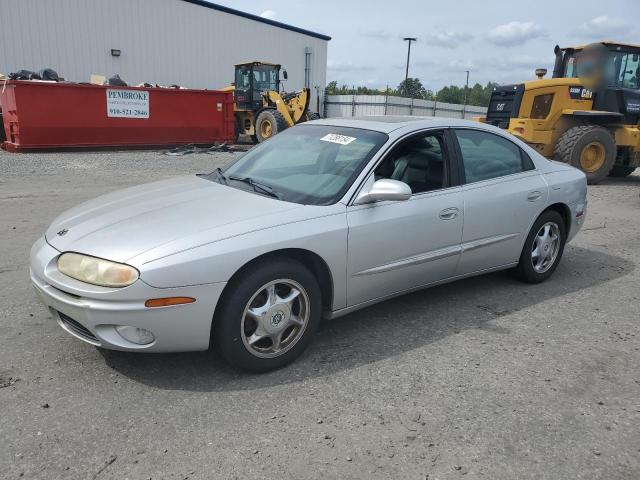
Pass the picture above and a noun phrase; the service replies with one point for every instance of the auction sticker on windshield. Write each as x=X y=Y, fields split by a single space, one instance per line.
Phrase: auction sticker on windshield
x=335 y=138
x=127 y=103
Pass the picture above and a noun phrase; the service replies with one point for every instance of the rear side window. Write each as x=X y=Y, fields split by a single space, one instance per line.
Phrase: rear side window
x=486 y=156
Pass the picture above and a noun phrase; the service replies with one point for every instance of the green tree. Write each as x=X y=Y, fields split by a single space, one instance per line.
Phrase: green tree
x=413 y=88
x=332 y=88
x=476 y=95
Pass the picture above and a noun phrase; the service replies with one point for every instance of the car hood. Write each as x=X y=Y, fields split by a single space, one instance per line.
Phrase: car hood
x=124 y=224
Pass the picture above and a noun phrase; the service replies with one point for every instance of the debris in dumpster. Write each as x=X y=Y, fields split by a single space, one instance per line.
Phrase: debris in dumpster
x=116 y=81
x=49 y=74
x=216 y=148
x=24 y=75
x=97 y=79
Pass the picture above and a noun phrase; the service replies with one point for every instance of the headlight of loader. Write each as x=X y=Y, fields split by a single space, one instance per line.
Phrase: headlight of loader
x=96 y=270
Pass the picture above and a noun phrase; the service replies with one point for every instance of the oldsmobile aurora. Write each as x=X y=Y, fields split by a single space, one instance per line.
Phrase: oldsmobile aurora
x=323 y=219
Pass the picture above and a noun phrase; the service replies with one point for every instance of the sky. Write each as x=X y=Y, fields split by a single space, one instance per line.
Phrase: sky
x=496 y=40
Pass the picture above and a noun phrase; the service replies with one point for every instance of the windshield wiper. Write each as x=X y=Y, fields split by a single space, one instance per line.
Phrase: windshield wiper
x=257 y=186
x=220 y=176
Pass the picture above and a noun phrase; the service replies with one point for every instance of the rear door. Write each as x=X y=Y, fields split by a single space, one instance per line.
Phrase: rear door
x=503 y=194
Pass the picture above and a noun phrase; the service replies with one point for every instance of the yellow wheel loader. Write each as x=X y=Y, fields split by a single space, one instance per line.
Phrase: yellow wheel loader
x=261 y=109
x=587 y=115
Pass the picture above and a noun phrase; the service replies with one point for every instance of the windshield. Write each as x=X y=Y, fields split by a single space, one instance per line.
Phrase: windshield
x=307 y=164
x=265 y=78
x=620 y=69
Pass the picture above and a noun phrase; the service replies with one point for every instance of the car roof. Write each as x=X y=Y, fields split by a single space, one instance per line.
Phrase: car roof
x=389 y=123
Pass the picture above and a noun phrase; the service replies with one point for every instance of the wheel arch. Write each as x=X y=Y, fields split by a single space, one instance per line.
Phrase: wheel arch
x=314 y=262
x=564 y=211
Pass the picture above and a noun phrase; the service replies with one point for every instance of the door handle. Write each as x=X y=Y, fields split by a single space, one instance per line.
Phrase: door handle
x=448 y=213
x=533 y=196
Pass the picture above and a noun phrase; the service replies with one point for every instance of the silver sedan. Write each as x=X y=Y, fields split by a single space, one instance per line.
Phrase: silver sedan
x=323 y=219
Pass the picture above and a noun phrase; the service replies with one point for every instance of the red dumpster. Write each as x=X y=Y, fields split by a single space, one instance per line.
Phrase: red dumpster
x=47 y=115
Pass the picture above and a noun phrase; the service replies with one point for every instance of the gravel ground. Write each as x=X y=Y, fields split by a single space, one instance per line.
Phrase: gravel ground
x=483 y=378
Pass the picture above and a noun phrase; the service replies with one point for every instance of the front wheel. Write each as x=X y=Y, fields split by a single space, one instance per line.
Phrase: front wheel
x=590 y=148
x=270 y=122
x=269 y=316
x=543 y=248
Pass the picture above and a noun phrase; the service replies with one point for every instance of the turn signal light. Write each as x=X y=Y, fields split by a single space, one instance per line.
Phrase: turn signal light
x=168 y=302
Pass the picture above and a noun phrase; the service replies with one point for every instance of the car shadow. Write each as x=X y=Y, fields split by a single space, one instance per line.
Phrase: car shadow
x=381 y=331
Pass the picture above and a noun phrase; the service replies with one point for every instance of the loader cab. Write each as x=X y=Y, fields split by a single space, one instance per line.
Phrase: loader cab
x=252 y=80
x=619 y=69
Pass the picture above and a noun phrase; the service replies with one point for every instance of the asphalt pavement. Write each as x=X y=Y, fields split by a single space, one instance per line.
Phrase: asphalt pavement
x=483 y=378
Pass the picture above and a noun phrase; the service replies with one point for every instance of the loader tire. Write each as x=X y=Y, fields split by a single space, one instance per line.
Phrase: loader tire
x=621 y=171
x=269 y=123
x=313 y=116
x=589 y=148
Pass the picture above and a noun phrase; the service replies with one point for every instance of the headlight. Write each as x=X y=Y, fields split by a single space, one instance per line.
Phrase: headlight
x=96 y=270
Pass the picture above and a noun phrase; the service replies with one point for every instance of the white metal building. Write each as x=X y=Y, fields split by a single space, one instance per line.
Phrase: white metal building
x=193 y=43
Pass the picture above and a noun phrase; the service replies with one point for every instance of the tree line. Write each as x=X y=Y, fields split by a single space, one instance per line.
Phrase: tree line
x=476 y=95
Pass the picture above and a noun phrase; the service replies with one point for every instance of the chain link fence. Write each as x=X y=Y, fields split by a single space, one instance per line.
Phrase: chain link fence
x=365 y=105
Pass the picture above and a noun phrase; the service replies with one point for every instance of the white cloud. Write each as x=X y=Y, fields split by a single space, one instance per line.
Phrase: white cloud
x=515 y=33
x=269 y=14
x=447 y=39
x=459 y=65
x=605 y=28
x=340 y=66
x=522 y=62
x=377 y=34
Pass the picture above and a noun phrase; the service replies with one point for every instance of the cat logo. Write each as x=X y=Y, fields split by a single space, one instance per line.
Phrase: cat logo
x=586 y=94
x=500 y=107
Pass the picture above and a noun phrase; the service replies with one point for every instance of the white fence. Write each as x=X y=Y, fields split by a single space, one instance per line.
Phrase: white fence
x=363 y=105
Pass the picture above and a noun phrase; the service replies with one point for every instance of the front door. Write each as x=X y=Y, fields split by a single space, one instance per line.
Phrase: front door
x=397 y=246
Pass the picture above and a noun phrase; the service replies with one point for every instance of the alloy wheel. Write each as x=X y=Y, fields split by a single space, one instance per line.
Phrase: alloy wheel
x=275 y=318
x=545 y=248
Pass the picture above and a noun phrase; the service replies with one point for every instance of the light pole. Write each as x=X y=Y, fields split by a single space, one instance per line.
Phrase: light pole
x=406 y=76
x=466 y=89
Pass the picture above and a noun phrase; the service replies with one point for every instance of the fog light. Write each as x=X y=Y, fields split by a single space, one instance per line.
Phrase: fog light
x=135 y=334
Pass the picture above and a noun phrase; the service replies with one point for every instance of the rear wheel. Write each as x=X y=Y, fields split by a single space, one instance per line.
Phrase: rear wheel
x=269 y=123
x=313 y=116
x=590 y=148
x=543 y=248
x=269 y=316
x=621 y=171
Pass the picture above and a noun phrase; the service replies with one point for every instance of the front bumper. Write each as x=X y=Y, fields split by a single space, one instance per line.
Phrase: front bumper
x=91 y=312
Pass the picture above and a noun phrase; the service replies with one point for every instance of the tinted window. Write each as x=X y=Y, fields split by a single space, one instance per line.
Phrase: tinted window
x=486 y=156
x=419 y=162
x=308 y=164
x=629 y=70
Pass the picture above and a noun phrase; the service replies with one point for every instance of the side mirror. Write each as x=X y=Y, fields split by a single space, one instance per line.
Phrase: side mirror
x=285 y=74
x=384 y=190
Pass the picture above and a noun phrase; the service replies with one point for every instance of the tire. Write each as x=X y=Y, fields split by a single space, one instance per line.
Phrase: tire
x=269 y=123
x=621 y=171
x=249 y=345
x=526 y=269
x=589 y=148
x=313 y=116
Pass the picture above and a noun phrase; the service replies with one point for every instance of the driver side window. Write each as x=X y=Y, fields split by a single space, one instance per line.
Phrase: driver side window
x=420 y=162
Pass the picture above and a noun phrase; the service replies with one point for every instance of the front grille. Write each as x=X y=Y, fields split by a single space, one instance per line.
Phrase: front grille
x=78 y=329
x=504 y=105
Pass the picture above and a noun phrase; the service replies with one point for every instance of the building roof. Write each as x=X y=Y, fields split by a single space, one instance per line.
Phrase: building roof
x=273 y=23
